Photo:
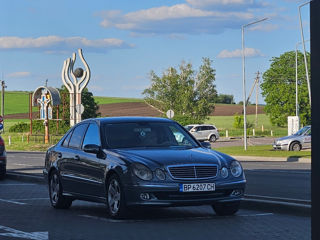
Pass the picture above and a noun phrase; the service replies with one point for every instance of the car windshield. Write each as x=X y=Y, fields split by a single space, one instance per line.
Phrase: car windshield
x=301 y=131
x=147 y=135
x=188 y=127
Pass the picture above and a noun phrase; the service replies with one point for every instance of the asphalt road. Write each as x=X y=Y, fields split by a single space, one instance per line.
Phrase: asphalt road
x=270 y=179
x=26 y=214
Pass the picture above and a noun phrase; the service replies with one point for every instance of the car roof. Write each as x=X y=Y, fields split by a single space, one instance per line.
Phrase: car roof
x=127 y=119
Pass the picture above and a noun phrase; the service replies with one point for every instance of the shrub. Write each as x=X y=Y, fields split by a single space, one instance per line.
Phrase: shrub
x=20 y=127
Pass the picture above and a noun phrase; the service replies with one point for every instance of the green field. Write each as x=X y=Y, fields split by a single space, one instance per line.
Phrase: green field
x=108 y=100
x=262 y=150
x=264 y=127
x=16 y=102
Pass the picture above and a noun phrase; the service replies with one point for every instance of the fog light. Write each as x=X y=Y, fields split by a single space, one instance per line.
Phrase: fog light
x=145 y=196
x=237 y=192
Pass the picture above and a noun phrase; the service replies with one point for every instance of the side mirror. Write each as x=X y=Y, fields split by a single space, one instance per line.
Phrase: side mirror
x=206 y=144
x=92 y=148
x=193 y=130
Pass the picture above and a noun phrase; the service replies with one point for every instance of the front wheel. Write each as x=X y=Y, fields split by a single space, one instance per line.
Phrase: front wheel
x=212 y=138
x=55 y=193
x=226 y=208
x=295 y=146
x=115 y=197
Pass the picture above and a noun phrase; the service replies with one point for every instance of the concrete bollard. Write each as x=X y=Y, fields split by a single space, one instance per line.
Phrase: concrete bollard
x=271 y=133
x=262 y=129
x=9 y=140
x=227 y=133
x=22 y=138
x=253 y=132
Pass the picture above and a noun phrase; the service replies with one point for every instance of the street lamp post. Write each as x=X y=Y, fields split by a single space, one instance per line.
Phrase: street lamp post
x=244 y=81
x=297 y=104
x=304 y=50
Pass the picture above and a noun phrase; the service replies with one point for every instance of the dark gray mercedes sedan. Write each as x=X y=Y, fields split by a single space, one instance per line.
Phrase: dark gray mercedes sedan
x=140 y=161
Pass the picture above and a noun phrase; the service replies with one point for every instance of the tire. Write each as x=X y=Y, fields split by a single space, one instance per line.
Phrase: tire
x=295 y=146
x=3 y=171
x=116 y=204
x=55 y=193
x=226 y=209
x=212 y=138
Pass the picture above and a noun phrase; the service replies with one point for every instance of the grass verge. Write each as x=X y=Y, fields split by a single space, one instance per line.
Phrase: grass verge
x=262 y=151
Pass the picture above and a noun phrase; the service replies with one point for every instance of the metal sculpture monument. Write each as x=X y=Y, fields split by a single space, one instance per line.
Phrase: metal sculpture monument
x=76 y=86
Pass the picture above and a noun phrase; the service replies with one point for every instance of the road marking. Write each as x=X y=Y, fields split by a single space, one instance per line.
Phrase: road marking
x=279 y=199
x=255 y=215
x=14 y=202
x=17 y=184
x=11 y=232
x=29 y=199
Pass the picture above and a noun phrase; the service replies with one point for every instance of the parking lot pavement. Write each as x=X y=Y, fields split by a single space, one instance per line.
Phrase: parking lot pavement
x=26 y=214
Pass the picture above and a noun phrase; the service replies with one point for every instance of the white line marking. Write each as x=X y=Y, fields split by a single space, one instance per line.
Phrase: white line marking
x=278 y=198
x=11 y=232
x=9 y=201
x=16 y=184
x=255 y=215
x=23 y=164
x=28 y=199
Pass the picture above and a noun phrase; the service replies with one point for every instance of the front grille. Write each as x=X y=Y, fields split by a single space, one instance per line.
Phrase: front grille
x=193 y=171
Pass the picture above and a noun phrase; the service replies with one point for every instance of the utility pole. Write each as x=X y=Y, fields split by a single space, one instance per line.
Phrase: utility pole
x=257 y=93
x=3 y=86
x=46 y=83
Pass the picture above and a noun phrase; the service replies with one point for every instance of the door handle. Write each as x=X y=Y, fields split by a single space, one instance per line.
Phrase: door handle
x=76 y=157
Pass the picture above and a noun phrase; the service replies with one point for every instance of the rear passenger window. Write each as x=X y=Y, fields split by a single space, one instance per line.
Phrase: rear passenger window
x=66 y=140
x=211 y=127
x=77 y=136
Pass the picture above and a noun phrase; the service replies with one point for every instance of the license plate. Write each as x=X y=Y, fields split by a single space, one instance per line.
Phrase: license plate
x=197 y=187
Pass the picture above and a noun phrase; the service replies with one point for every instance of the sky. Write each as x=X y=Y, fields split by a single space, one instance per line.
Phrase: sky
x=124 y=40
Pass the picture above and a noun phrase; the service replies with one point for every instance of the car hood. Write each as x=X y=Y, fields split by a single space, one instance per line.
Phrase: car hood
x=165 y=157
x=287 y=138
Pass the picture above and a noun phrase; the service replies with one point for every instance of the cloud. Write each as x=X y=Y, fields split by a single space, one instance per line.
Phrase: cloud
x=226 y=4
x=176 y=19
x=264 y=27
x=249 y=52
x=60 y=44
x=18 y=74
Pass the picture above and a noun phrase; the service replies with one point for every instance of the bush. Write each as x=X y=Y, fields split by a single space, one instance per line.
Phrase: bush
x=38 y=127
x=185 y=120
x=238 y=122
x=20 y=127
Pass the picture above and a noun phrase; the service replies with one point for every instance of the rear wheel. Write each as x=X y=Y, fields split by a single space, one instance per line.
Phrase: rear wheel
x=116 y=205
x=295 y=146
x=226 y=208
x=212 y=138
x=55 y=192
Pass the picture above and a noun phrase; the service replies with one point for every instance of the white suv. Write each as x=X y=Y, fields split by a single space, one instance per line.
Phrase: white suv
x=203 y=132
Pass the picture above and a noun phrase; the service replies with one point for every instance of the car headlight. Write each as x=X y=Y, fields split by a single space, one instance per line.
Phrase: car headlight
x=235 y=168
x=224 y=172
x=160 y=174
x=141 y=171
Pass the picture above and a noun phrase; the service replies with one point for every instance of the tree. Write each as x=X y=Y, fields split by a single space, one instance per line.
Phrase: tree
x=279 y=89
x=190 y=94
x=90 y=106
x=225 y=98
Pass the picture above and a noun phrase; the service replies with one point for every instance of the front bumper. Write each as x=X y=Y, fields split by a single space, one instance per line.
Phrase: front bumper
x=168 y=194
x=280 y=146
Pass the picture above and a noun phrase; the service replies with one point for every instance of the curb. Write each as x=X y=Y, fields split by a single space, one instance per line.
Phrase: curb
x=277 y=206
x=272 y=159
x=25 y=177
